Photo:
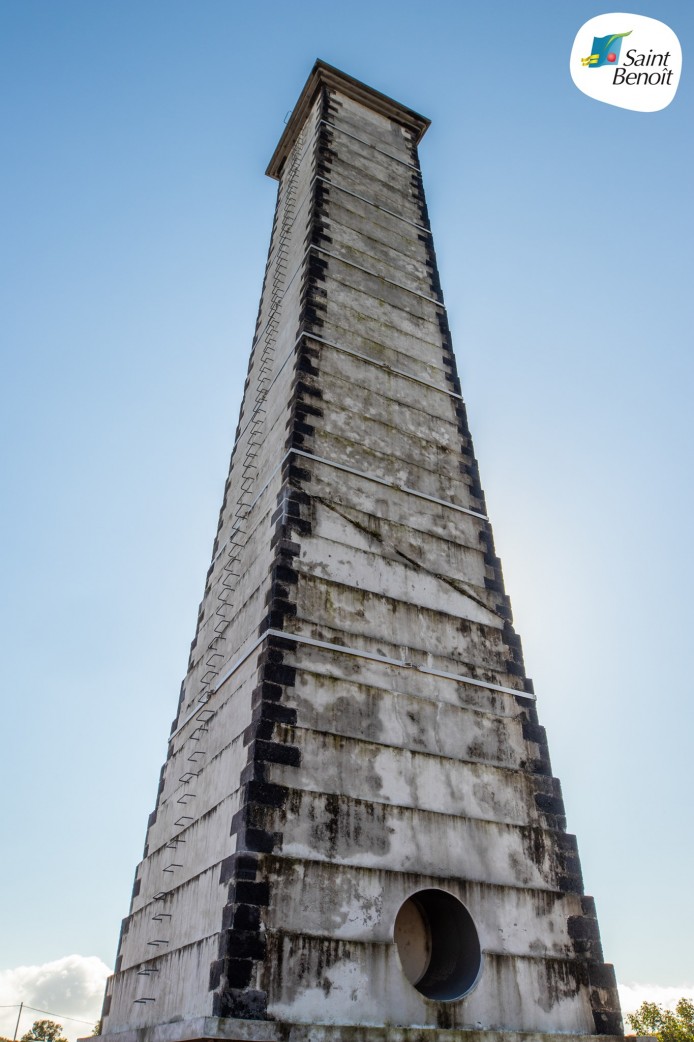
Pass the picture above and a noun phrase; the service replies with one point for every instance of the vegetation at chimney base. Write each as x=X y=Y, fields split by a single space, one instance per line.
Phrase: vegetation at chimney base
x=668 y=1025
x=44 y=1031
x=41 y=1031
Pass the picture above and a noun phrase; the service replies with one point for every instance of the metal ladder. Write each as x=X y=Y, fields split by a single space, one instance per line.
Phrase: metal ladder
x=236 y=542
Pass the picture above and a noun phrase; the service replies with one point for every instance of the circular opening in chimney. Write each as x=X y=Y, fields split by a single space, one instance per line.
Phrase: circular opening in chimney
x=438 y=945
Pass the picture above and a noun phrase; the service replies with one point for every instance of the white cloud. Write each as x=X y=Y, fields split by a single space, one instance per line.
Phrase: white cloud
x=632 y=995
x=73 y=987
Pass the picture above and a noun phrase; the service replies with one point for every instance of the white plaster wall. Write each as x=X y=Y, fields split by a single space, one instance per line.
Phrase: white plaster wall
x=355 y=983
x=382 y=774
x=372 y=571
x=377 y=835
x=361 y=904
x=418 y=721
x=384 y=677
x=379 y=617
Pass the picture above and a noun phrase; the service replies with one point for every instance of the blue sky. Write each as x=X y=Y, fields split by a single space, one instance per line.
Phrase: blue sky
x=136 y=218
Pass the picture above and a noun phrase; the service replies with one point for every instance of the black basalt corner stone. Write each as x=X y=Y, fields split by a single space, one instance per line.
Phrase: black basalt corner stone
x=216 y=969
x=285 y=546
x=295 y=440
x=277 y=513
x=534 y=733
x=279 y=611
x=260 y=840
x=226 y=869
x=280 y=674
x=304 y=409
x=540 y=765
x=569 y=874
x=571 y=863
x=514 y=668
x=306 y=354
x=567 y=843
x=316 y=265
x=304 y=429
x=282 y=643
x=246 y=917
x=589 y=950
x=265 y=624
x=602 y=975
x=588 y=907
x=509 y=634
x=227 y=918
x=273 y=620
x=284 y=573
x=241 y=865
x=238 y=825
x=238 y=973
x=292 y=504
x=306 y=390
x=309 y=318
x=608 y=1022
x=276 y=752
x=297 y=524
x=317 y=236
x=267 y=794
x=270 y=654
x=531 y=716
x=570 y=883
x=297 y=476
x=549 y=804
x=273 y=712
x=245 y=944
x=321 y=195
x=246 y=865
x=278 y=592
x=241 y=1003
x=266 y=691
x=252 y=893
x=582 y=928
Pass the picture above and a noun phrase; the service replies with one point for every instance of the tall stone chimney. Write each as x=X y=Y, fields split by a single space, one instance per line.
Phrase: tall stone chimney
x=357 y=830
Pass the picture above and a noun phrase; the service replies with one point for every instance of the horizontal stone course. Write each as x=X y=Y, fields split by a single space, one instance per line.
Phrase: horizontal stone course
x=233 y=1030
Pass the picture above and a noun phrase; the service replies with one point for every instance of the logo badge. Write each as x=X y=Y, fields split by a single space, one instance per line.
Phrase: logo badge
x=627 y=60
x=605 y=50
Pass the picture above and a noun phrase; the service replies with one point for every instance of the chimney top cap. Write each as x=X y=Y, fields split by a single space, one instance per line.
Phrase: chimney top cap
x=324 y=75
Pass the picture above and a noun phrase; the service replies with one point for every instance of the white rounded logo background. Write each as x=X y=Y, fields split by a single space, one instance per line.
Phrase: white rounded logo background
x=647 y=35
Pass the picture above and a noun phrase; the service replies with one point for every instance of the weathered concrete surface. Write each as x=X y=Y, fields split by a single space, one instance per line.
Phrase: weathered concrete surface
x=310 y=791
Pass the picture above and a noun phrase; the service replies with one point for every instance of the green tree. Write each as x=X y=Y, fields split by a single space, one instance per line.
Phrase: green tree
x=668 y=1025
x=44 y=1031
